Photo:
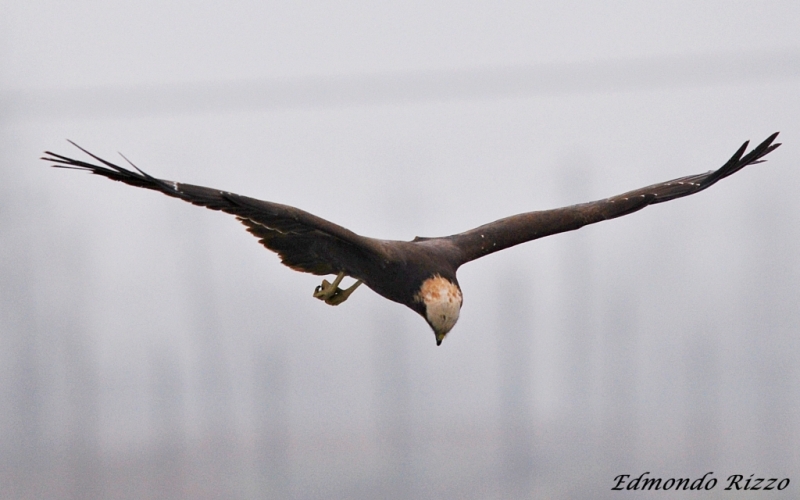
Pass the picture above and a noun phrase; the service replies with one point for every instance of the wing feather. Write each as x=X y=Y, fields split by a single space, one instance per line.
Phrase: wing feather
x=529 y=226
x=303 y=241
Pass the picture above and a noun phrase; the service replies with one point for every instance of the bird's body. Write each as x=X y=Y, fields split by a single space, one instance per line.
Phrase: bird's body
x=420 y=274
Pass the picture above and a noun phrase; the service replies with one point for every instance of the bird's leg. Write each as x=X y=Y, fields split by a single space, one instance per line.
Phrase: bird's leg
x=331 y=294
x=326 y=290
x=341 y=295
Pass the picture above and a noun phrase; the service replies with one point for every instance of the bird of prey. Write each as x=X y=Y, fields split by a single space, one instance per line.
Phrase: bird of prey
x=421 y=273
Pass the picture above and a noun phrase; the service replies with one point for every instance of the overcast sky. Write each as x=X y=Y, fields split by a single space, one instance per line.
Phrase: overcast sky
x=131 y=323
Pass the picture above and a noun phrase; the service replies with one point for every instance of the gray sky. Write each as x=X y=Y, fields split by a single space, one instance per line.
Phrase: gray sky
x=131 y=323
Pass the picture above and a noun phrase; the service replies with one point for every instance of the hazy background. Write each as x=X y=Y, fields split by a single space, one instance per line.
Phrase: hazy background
x=152 y=349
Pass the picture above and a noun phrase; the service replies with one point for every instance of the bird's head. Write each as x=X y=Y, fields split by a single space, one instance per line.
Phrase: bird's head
x=442 y=300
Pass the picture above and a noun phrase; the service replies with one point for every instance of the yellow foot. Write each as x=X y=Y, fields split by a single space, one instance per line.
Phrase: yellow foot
x=331 y=294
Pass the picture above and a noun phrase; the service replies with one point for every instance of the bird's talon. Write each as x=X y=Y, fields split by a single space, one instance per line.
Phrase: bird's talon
x=331 y=294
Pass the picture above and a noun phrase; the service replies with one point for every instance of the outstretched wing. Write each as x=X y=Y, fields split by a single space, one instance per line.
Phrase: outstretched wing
x=520 y=228
x=303 y=241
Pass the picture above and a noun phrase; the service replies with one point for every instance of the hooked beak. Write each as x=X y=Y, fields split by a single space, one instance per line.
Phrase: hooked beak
x=439 y=337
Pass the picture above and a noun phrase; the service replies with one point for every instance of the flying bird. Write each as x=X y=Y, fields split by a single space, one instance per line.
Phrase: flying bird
x=421 y=273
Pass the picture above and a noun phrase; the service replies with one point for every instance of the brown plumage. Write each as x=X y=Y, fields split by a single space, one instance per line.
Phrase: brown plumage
x=421 y=273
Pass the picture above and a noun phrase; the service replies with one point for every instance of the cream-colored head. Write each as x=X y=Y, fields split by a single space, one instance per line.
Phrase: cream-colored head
x=442 y=299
